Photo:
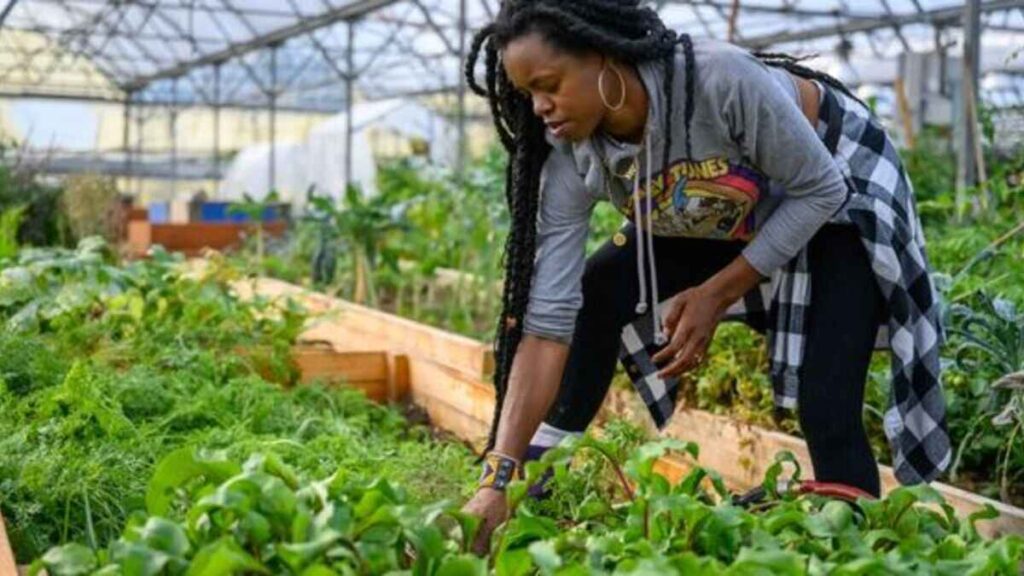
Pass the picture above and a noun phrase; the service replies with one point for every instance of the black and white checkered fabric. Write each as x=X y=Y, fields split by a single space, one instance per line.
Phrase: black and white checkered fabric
x=881 y=206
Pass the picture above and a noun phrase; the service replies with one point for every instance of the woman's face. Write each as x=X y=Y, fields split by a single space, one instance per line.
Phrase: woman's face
x=562 y=86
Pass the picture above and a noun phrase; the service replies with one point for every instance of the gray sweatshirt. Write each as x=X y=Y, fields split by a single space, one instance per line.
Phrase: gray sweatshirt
x=759 y=173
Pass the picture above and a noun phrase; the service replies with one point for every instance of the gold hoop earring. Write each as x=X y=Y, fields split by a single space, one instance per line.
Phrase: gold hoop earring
x=604 y=97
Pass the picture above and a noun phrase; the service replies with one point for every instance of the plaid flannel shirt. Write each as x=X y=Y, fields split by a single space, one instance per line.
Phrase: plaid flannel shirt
x=881 y=205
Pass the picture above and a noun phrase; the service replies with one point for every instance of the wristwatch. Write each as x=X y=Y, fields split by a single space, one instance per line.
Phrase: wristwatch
x=499 y=470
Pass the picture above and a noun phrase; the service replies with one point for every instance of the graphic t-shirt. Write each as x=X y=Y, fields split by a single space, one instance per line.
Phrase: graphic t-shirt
x=713 y=198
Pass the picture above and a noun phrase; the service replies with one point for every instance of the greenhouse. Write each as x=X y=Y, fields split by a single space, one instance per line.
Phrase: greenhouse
x=511 y=287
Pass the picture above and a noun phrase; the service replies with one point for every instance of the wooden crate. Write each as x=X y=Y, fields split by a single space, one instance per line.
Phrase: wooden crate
x=192 y=238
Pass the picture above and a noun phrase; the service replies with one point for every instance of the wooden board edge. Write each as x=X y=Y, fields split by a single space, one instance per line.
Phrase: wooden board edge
x=405 y=335
x=352 y=367
x=470 y=397
x=8 y=563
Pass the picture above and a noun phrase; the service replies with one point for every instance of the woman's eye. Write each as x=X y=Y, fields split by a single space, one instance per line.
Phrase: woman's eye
x=550 y=88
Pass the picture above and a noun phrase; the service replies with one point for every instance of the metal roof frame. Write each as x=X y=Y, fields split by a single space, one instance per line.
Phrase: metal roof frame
x=138 y=47
x=316 y=55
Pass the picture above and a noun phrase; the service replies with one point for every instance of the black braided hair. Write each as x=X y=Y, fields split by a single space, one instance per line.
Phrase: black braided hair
x=793 y=65
x=622 y=29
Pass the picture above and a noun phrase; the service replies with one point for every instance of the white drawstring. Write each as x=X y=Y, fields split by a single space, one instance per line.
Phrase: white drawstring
x=645 y=244
x=659 y=337
x=641 y=305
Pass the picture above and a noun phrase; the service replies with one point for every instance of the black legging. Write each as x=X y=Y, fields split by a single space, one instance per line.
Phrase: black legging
x=846 y=306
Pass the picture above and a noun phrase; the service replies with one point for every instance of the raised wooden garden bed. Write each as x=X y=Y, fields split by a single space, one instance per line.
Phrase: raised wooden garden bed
x=448 y=376
x=191 y=239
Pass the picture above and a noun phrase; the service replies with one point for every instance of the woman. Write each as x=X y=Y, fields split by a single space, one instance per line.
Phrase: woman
x=757 y=189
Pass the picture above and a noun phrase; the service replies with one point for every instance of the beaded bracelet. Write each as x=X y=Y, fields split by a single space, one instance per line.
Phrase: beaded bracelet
x=499 y=470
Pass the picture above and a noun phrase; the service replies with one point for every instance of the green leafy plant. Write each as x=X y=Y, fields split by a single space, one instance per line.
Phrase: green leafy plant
x=106 y=368
x=255 y=211
x=90 y=206
x=10 y=222
x=21 y=185
x=361 y=224
x=261 y=518
x=992 y=343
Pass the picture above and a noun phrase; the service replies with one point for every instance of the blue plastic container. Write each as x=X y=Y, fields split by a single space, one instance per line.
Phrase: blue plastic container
x=160 y=212
x=214 y=211
x=222 y=212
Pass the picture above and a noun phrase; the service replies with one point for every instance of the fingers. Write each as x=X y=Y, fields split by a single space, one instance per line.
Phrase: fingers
x=482 y=542
x=675 y=312
x=491 y=509
x=488 y=524
x=680 y=335
x=690 y=357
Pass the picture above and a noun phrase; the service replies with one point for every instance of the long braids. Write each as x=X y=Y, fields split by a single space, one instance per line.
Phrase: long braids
x=793 y=65
x=619 y=28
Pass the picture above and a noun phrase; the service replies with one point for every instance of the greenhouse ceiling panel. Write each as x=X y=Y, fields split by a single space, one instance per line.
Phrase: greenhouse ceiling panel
x=300 y=54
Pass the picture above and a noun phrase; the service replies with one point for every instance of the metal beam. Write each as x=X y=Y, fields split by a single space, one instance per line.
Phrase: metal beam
x=272 y=177
x=7 y=11
x=938 y=17
x=178 y=6
x=138 y=35
x=188 y=168
x=7 y=93
x=783 y=9
x=173 y=124
x=126 y=138
x=351 y=10
x=967 y=119
x=349 y=96
x=216 y=118
x=463 y=24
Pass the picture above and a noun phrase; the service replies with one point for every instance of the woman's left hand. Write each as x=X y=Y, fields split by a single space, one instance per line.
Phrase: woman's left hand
x=690 y=324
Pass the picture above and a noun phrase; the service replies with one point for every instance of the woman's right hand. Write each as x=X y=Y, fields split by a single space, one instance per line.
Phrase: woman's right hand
x=491 y=507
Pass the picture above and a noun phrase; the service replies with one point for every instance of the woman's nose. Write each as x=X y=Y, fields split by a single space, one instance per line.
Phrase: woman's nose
x=542 y=106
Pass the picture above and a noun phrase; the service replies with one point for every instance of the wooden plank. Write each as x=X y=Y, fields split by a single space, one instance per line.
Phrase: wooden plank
x=398 y=377
x=444 y=416
x=358 y=324
x=140 y=235
x=342 y=337
x=741 y=453
x=364 y=371
x=8 y=565
x=332 y=365
x=193 y=238
x=470 y=397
